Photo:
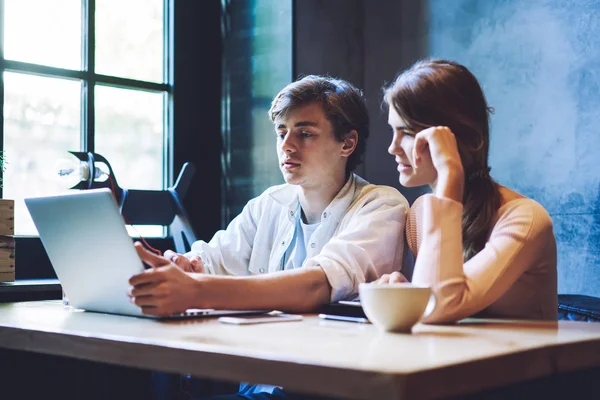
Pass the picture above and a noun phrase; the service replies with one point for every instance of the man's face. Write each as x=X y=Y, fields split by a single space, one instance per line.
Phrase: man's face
x=309 y=154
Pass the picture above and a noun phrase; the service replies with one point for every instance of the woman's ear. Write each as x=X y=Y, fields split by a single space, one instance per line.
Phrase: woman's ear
x=350 y=143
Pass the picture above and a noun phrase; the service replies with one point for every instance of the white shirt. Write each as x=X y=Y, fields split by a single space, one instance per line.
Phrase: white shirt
x=360 y=236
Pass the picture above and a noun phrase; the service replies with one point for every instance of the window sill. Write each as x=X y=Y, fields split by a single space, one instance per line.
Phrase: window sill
x=30 y=290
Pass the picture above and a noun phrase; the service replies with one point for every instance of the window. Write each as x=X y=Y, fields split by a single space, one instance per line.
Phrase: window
x=84 y=75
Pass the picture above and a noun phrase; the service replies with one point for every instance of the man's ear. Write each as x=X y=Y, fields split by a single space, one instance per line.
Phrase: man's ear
x=350 y=143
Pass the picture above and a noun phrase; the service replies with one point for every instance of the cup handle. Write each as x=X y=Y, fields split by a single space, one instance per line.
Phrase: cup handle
x=430 y=306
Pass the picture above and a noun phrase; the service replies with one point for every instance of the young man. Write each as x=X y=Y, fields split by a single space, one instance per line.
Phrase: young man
x=302 y=244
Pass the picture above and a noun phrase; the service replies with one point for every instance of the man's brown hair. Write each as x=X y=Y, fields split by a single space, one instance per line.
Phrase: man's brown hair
x=343 y=104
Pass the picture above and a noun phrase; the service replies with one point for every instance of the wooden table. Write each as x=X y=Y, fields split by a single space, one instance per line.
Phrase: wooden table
x=330 y=358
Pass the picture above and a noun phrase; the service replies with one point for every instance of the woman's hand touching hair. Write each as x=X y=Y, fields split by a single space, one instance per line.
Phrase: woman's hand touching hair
x=441 y=144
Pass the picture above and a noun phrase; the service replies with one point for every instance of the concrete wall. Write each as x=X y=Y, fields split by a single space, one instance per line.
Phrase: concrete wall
x=539 y=64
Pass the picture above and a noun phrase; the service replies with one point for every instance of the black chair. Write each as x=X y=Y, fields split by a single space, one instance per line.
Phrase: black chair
x=577 y=307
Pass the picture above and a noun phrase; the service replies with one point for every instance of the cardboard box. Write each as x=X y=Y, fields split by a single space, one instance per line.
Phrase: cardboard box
x=7 y=240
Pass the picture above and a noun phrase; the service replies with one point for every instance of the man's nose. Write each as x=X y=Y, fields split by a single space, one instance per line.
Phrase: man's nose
x=287 y=144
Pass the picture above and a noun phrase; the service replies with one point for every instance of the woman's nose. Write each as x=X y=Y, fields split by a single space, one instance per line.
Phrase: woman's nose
x=394 y=146
x=391 y=148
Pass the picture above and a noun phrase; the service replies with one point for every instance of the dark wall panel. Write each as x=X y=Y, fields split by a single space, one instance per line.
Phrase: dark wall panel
x=329 y=40
x=395 y=37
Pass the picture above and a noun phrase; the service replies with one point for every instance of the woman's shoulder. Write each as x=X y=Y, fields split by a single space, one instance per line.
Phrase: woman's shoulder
x=419 y=200
x=414 y=220
x=415 y=212
x=516 y=203
x=526 y=212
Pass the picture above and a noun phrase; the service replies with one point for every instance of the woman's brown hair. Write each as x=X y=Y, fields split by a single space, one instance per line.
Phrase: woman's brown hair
x=445 y=93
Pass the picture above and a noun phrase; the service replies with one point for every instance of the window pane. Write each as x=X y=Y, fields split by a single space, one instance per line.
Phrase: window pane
x=129 y=39
x=43 y=32
x=129 y=134
x=41 y=122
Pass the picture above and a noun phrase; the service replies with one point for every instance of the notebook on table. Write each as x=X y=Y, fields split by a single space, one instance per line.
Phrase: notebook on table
x=92 y=254
x=344 y=308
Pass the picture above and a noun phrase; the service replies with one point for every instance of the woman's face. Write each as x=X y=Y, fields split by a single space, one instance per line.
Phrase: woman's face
x=402 y=150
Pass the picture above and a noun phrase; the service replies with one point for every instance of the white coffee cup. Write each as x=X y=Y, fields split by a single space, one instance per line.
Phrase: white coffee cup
x=396 y=307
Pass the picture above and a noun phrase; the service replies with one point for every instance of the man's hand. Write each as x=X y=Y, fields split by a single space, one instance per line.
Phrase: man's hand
x=192 y=264
x=165 y=288
x=394 y=277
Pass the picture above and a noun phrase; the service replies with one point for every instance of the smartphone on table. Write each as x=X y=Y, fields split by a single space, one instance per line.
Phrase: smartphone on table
x=348 y=311
x=345 y=318
x=260 y=319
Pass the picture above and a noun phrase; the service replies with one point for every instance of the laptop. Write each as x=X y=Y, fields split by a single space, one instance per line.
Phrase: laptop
x=92 y=254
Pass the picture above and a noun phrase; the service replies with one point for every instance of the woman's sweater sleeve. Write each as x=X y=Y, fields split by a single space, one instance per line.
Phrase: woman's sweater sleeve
x=463 y=289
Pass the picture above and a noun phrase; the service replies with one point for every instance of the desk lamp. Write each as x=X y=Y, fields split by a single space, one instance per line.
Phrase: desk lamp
x=140 y=207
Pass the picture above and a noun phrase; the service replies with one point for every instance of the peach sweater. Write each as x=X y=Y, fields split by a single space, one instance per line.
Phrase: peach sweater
x=514 y=276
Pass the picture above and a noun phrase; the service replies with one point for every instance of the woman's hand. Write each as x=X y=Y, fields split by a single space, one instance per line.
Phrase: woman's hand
x=442 y=146
x=192 y=264
x=394 y=277
x=165 y=288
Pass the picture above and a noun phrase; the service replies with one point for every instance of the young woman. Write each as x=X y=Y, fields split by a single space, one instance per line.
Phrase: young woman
x=485 y=249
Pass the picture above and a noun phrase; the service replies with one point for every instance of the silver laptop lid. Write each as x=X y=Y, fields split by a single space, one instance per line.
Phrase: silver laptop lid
x=89 y=248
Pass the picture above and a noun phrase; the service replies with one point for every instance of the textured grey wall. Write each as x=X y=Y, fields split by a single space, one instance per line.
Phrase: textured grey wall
x=539 y=64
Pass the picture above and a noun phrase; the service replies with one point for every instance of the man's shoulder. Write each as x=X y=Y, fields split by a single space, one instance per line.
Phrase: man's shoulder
x=368 y=192
x=281 y=194
x=276 y=188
